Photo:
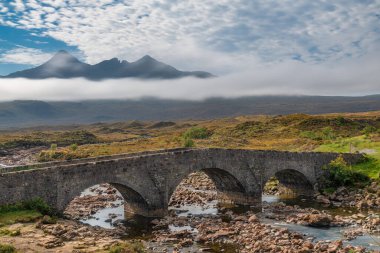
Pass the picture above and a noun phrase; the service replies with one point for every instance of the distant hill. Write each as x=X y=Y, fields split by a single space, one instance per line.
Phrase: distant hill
x=64 y=65
x=38 y=113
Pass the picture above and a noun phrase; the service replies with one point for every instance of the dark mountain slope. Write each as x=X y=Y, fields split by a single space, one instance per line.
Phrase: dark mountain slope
x=64 y=65
x=34 y=113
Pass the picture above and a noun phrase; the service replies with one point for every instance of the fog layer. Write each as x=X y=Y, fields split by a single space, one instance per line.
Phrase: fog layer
x=356 y=78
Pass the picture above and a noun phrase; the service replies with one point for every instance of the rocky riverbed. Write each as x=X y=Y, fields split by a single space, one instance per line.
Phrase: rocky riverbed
x=92 y=200
x=19 y=156
x=367 y=198
x=192 y=227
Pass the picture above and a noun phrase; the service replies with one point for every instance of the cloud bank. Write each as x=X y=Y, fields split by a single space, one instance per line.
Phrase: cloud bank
x=354 y=78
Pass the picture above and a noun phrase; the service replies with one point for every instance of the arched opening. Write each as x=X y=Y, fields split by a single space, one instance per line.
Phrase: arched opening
x=229 y=189
x=106 y=205
x=287 y=184
x=201 y=192
x=99 y=205
x=196 y=194
x=294 y=180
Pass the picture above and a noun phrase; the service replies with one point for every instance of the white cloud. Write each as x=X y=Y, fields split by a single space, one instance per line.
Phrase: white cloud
x=18 y=5
x=29 y=56
x=3 y=9
x=359 y=77
x=312 y=31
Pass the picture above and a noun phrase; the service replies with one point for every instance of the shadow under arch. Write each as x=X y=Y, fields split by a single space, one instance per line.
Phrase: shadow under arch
x=296 y=181
x=229 y=189
x=134 y=203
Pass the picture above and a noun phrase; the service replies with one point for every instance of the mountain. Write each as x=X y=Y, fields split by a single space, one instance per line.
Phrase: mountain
x=37 y=113
x=64 y=65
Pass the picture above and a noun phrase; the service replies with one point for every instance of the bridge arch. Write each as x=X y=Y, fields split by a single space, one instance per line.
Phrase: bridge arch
x=294 y=180
x=229 y=187
x=134 y=202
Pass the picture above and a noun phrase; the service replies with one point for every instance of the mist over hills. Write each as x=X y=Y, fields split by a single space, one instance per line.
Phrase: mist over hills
x=63 y=65
x=25 y=113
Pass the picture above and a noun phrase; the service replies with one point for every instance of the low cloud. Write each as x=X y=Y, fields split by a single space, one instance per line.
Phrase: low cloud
x=360 y=77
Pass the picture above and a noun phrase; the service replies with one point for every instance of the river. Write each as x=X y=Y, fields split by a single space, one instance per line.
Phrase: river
x=101 y=218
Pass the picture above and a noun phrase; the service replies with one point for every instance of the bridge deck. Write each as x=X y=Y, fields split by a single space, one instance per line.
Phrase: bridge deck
x=89 y=160
x=11 y=169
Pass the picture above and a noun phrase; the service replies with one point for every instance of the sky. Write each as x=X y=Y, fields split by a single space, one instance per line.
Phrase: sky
x=254 y=39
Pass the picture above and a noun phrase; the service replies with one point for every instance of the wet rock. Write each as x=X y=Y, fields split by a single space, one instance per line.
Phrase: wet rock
x=253 y=219
x=318 y=220
x=323 y=199
x=353 y=233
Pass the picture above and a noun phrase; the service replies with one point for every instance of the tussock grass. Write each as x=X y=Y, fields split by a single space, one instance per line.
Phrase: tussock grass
x=355 y=132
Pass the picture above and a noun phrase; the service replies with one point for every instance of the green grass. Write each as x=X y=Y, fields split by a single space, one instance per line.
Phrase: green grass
x=28 y=211
x=371 y=166
x=356 y=143
x=10 y=217
x=6 y=248
x=6 y=231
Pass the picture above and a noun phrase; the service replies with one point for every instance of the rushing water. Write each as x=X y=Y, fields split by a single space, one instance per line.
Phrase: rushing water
x=101 y=218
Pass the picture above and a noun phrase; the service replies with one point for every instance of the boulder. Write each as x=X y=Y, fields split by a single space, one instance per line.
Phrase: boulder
x=318 y=220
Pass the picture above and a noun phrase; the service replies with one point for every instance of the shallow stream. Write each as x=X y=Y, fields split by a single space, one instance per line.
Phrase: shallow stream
x=101 y=218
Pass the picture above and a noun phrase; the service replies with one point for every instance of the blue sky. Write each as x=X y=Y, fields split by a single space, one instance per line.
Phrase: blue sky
x=221 y=36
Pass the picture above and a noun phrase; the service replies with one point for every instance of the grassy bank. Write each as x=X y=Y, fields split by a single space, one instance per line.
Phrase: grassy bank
x=362 y=143
x=24 y=212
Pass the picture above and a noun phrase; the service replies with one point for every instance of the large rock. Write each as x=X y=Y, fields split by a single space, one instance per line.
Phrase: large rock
x=318 y=220
x=323 y=200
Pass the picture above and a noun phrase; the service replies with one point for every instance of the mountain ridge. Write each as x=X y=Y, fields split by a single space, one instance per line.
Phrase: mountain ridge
x=22 y=113
x=63 y=65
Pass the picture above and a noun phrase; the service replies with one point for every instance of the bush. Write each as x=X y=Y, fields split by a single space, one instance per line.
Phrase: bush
x=127 y=247
x=62 y=154
x=53 y=147
x=369 y=130
x=73 y=147
x=341 y=174
x=197 y=133
x=10 y=232
x=6 y=248
x=327 y=133
x=311 y=135
x=188 y=143
x=340 y=121
x=36 y=204
x=79 y=137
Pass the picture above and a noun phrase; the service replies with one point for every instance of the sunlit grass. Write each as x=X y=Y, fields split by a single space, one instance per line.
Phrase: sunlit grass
x=7 y=218
x=371 y=166
x=297 y=132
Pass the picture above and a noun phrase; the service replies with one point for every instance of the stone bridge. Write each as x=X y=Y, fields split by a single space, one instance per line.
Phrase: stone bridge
x=147 y=180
